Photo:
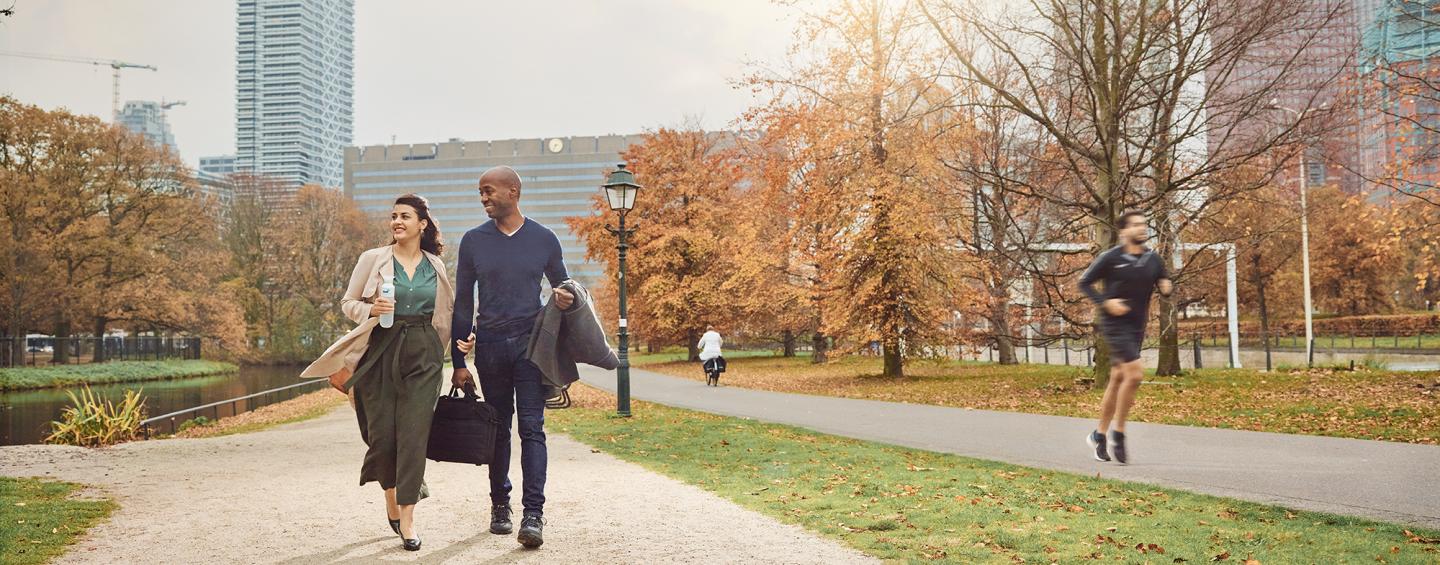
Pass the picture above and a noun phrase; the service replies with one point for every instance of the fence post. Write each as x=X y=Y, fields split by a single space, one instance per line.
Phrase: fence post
x=1047 y=353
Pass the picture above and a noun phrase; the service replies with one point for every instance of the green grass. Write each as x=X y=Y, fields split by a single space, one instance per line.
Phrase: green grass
x=22 y=378
x=39 y=519
x=1249 y=341
x=911 y=505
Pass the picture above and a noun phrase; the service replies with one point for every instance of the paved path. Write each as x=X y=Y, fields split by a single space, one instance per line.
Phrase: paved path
x=1395 y=482
x=289 y=495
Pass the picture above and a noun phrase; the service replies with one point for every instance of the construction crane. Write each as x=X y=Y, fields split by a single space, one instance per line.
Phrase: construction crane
x=114 y=65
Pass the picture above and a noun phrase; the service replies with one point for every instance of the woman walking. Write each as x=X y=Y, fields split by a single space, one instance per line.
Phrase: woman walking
x=393 y=374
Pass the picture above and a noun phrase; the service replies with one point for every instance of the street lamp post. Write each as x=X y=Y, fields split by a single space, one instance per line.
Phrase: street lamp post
x=620 y=192
x=1304 y=242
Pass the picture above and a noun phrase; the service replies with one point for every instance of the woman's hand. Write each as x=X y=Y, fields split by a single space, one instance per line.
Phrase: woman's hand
x=1115 y=307
x=382 y=306
x=466 y=346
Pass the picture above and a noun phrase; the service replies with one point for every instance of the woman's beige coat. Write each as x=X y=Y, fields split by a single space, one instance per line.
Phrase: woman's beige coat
x=344 y=355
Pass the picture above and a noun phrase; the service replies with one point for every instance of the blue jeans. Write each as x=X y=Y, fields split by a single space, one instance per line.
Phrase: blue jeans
x=510 y=382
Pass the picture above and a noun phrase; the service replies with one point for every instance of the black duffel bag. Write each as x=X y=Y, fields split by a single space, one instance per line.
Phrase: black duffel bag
x=463 y=430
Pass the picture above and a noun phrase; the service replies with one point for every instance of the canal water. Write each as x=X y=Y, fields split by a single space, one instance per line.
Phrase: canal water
x=25 y=416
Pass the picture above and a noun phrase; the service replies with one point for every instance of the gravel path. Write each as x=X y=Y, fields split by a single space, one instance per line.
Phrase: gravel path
x=289 y=495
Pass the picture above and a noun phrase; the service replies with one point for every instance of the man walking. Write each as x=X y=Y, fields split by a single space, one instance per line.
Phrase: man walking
x=498 y=292
x=1130 y=272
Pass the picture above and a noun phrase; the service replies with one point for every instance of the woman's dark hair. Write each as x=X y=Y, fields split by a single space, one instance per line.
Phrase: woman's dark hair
x=1124 y=220
x=430 y=238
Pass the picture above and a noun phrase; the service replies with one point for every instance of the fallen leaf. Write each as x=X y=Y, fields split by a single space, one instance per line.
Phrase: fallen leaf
x=1221 y=557
x=1075 y=508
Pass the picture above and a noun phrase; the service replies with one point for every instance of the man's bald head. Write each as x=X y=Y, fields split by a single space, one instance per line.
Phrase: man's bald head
x=500 y=192
x=501 y=177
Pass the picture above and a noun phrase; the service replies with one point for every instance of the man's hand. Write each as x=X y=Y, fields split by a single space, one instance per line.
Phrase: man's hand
x=467 y=345
x=460 y=377
x=1115 y=307
x=563 y=298
x=1166 y=287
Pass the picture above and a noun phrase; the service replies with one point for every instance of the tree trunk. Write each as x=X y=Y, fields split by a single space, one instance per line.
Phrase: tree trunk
x=788 y=341
x=1000 y=326
x=692 y=340
x=62 y=338
x=17 y=343
x=1259 y=281
x=1101 y=370
x=100 y=323
x=894 y=363
x=819 y=347
x=1169 y=364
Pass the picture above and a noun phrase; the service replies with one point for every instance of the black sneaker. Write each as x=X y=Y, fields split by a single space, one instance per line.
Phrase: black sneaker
x=1097 y=442
x=1118 y=438
x=531 y=530
x=500 y=520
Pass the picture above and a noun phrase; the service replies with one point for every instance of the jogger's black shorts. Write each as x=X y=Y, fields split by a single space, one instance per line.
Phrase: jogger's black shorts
x=1124 y=339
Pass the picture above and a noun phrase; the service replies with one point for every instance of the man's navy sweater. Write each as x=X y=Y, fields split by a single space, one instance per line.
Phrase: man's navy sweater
x=507 y=270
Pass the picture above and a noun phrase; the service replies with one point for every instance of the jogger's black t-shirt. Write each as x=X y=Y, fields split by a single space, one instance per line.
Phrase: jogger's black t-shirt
x=1128 y=277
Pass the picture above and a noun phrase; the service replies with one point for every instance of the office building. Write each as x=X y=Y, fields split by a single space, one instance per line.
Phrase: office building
x=294 y=89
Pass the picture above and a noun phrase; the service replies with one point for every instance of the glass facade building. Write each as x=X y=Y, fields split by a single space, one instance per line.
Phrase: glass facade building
x=294 y=88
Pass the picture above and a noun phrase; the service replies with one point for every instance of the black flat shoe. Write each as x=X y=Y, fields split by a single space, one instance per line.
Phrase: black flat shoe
x=395 y=525
x=412 y=544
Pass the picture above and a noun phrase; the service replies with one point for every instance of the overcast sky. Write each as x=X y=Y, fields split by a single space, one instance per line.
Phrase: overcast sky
x=425 y=71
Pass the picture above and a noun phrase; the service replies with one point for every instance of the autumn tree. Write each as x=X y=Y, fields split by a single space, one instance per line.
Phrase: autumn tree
x=679 y=258
x=109 y=225
x=805 y=208
x=1126 y=89
x=1355 y=255
x=869 y=82
x=318 y=240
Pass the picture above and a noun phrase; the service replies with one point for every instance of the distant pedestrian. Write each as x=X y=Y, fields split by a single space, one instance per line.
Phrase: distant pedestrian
x=714 y=361
x=1131 y=272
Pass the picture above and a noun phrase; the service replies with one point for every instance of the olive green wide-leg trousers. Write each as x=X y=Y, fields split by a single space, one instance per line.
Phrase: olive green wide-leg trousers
x=396 y=386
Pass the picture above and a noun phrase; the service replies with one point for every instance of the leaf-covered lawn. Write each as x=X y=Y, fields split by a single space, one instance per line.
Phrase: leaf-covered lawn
x=39 y=519
x=906 y=504
x=1367 y=404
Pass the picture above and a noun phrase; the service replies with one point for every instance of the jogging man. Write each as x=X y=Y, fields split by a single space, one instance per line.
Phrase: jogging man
x=1131 y=272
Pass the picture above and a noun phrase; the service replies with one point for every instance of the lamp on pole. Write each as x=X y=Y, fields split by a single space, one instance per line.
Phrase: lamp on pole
x=1304 y=239
x=620 y=192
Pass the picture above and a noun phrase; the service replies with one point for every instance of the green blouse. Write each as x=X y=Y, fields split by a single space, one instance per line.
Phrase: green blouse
x=415 y=297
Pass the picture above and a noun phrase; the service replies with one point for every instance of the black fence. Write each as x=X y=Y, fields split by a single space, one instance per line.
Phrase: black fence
x=235 y=406
x=42 y=351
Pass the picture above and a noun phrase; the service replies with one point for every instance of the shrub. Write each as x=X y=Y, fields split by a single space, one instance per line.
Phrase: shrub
x=196 y=422
x=92 y=421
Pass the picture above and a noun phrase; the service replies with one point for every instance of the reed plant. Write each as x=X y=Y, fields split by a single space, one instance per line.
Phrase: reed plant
x=91 y=421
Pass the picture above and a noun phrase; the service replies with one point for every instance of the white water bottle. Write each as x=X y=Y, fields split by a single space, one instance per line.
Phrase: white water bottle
x=387 y=290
